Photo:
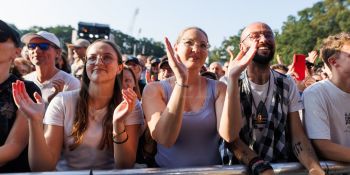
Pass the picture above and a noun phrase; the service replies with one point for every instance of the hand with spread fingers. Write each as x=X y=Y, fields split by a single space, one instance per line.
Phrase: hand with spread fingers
x=179 y=69
x=33 y=110
x=229 y=51
x=242 y=60
x=58 y=86
x=312 y=56
x=126 y=106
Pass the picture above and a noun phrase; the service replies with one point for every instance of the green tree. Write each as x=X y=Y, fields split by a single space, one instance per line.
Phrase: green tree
x=220 y=54
x=304 y=32
x=126 y=42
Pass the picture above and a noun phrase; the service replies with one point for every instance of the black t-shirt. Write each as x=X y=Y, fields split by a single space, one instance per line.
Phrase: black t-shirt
x=8 y=110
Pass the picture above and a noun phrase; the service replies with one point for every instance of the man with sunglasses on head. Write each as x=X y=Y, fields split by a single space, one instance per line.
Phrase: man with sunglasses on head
x=272 y=131
x=13 y=124
x=43 y=49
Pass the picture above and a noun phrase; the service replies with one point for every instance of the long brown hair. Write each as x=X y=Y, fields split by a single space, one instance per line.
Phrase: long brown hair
x=137 y=87
x=81 y=120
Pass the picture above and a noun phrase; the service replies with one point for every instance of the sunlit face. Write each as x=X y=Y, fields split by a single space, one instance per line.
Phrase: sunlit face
x=165 y=72
x=193 y=48
x=8 y=52
x=135 y=68
x=102 y=63
x=266 y=42
x=79 y=52
x=40 y=57
x=343 y=61
x=128 y=80
x=216 y=68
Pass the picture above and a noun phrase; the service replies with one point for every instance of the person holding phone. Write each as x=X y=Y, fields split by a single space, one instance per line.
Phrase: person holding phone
x=272 y=130
x=298 y=71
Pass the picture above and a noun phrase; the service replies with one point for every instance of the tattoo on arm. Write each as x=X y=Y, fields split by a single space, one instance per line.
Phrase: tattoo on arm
x=297 y=149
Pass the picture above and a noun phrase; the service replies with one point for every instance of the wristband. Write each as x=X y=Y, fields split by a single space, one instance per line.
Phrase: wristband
x=261 y=167
x=258 y=165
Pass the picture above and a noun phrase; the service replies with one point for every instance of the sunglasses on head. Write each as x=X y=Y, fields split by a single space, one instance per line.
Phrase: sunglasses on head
x=42 y=46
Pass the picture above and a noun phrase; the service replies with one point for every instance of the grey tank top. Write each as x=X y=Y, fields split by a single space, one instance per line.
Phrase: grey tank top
x=198 y=140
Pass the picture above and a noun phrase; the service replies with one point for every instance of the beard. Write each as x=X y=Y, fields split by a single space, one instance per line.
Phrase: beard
x=264 y=58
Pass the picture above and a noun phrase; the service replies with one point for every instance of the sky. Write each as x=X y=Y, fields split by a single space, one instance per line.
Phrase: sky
x=155 y=18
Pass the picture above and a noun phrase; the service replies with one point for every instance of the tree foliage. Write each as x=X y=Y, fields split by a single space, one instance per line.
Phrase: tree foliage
x=305 y=32
x=143 y=46
x=126 y=42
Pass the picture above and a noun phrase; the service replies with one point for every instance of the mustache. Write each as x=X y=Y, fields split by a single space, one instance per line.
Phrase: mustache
x=266 y=45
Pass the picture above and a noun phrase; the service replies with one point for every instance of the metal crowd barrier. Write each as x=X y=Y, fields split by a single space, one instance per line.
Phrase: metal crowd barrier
x=279 y=168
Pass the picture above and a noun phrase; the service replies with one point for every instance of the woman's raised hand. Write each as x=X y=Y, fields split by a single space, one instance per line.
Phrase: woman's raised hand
x=126 y=106
x=242 y=60
x=33 y=110
x=179 y=69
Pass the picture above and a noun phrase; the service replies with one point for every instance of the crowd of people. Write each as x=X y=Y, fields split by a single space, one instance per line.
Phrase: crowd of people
x=92 y=107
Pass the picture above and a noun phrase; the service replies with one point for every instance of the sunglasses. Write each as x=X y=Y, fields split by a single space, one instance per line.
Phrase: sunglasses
x=42 y=46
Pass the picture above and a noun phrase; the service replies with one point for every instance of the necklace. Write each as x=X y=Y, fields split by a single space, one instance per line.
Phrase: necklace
x=261 y=111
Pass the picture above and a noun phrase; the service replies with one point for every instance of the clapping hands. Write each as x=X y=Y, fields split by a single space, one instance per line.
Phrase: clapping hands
x=179 y=69
x=126 y=106
x=242 y=60
x=32 y=110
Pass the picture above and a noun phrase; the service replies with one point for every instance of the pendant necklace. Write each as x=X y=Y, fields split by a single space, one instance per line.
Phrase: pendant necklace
x=261 y=111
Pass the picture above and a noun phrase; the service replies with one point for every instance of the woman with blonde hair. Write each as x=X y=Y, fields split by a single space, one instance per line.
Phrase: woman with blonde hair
x=188 y=113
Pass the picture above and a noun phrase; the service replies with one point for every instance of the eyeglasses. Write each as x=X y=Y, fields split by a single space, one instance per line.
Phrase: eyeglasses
x=42 y=46
x=257 y=35
x=191 y=44
x=105 y=59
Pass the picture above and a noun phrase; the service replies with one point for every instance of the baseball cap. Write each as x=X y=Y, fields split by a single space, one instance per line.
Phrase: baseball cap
x=42 y=34
x=155 y=61
x=163 y=62
x=79 y=43
x=132 y=59
x=7 y=32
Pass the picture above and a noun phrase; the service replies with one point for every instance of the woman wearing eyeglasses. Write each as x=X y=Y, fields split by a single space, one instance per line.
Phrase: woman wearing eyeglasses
x=187 y=113
x=96 y=127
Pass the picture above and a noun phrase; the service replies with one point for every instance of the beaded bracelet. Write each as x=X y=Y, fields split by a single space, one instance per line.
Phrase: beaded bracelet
x=182 y=85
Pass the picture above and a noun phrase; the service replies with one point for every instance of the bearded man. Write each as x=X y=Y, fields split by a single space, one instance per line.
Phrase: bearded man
x=271 y=129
